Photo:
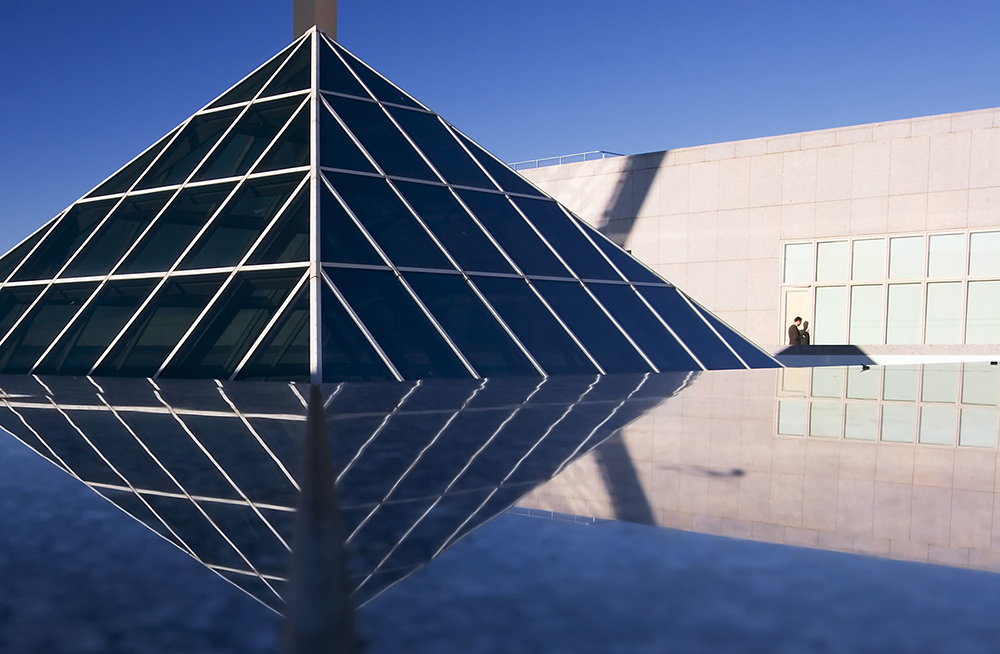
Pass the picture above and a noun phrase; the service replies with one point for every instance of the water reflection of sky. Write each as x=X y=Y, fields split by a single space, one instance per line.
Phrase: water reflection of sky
x=890 y=461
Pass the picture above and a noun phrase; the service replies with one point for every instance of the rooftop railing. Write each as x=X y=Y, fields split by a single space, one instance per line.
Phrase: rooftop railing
x=593 y=155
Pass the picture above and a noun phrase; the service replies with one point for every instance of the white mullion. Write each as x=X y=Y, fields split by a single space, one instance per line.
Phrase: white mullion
x=72 y=321
x=229 y=280
x=362 y=327
x=559 y=319
x=587 y=236
x=451 y=130
x=558 y=256
x=503 y=325
x=349 y=68
x=621 y=329
x=420 y=221
x=489 y=236
x=278 y=315
x=670 y=329
x=62 y=464
x=717 y=334
x=13 y=328
x=378 y=430
x=542 y=194
x=444 y=334
x=291 y=48
x=48 y=227
x=315 y=283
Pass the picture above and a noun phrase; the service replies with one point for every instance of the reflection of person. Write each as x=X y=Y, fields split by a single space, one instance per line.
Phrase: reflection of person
x=804 y=332
x=794 y=335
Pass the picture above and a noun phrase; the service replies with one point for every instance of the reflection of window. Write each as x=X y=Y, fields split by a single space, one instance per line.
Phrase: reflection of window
x=979 y=427
x=824 y=419
x=937 y=425
x=792 y=417
x=980 y=383
x=899 y=421
x=862 y=422
x=798 y=263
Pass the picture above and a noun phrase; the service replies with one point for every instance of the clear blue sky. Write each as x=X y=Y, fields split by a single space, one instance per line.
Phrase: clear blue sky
x=85 y=86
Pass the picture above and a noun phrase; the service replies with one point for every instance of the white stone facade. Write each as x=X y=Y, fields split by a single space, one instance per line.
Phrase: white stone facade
x=714 y=219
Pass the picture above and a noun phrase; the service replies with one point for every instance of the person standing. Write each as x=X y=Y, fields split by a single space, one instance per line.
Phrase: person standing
x=794 y=335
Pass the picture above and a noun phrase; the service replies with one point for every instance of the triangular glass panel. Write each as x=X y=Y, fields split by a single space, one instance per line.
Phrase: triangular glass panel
x=386 y=144
x=347 y=354
x=237 y=319
x=41 y=325
x=92 y=332
x=294 y=75
x=175 y=228
x=159 y=328
x=336 y=149
x=234 y=231
x=187 y=151
x=629 y=266
x=340 y=239
x=124 y=178
x=564 y=237
x=63 y=240
x=100 y=255
x=383 y=89
x=291 y=150
x=21 y=250
x=248 y=139
x=284 y=352
x=388 y=221
x=14 y=301
x=508 y=180
x=444 y=152
x=288 y=239
x=254 y=82
x=334 y=75
x=750 y=353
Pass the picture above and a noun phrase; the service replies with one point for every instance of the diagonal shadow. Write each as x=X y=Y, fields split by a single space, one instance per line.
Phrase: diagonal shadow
x=628 y=498
x=631 y=192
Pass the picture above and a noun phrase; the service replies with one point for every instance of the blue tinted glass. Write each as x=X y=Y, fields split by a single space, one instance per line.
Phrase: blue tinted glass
x=249 y=87
x=598 y=334
x=159 y=328
x=437 y=143
x=248 y=138
x=383 y=89
x=340 y=239
x=751 y=354
x=123 y=179
x=333 y=74
x=336 y=149
x=116 y=235
x=292 y=148
x=689 y=327
x=223 y=337
x=187 y=151
x=64 y=240
x=234 y=231
x=14 y=302
x=388 y=221
x=40 y=327
x=459 y=233
x=381 y=139
x=176 y=227
x=284 y=352
x=514 y=235
x=534 y=326
x=102 y=320
x=500 y=172
x=347 y=354
x=21 y=250
x=644 y=328
x=470 y=325
x=632 y=269
x=575 y=249
x=288 y=239
x=294 y=75
x=397 y=323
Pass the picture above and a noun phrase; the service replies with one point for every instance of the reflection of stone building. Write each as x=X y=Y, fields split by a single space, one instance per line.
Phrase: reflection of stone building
x=899 y=462
x=878 y=234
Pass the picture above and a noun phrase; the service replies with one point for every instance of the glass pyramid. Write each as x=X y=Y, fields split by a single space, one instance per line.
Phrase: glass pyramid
x=315 y=222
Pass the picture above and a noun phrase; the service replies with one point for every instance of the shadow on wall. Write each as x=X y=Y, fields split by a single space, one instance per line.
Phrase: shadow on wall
x=630 y=194
x=628 y=498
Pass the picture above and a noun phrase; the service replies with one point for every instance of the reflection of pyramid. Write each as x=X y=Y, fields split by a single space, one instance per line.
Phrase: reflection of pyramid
x=317 y=222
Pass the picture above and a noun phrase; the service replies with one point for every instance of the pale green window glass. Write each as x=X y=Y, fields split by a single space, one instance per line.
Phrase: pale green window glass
x=899 y=422
x=982 y=323
x=946 y=256
x=901 y=383
x=866 y=315
x=828 y=382
x=937 y=425
x=868 y=263
x=944 y=313
x=861 y=423
x=979 y=427
x=984 y=254
x=831 y=261
x=798 y=263
x=792 y=417
x=824 y=420
x=903 y=322
x=830 y=325
x=906 y=257
x=863 y=384
x=940 y=383
x=980 y=384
